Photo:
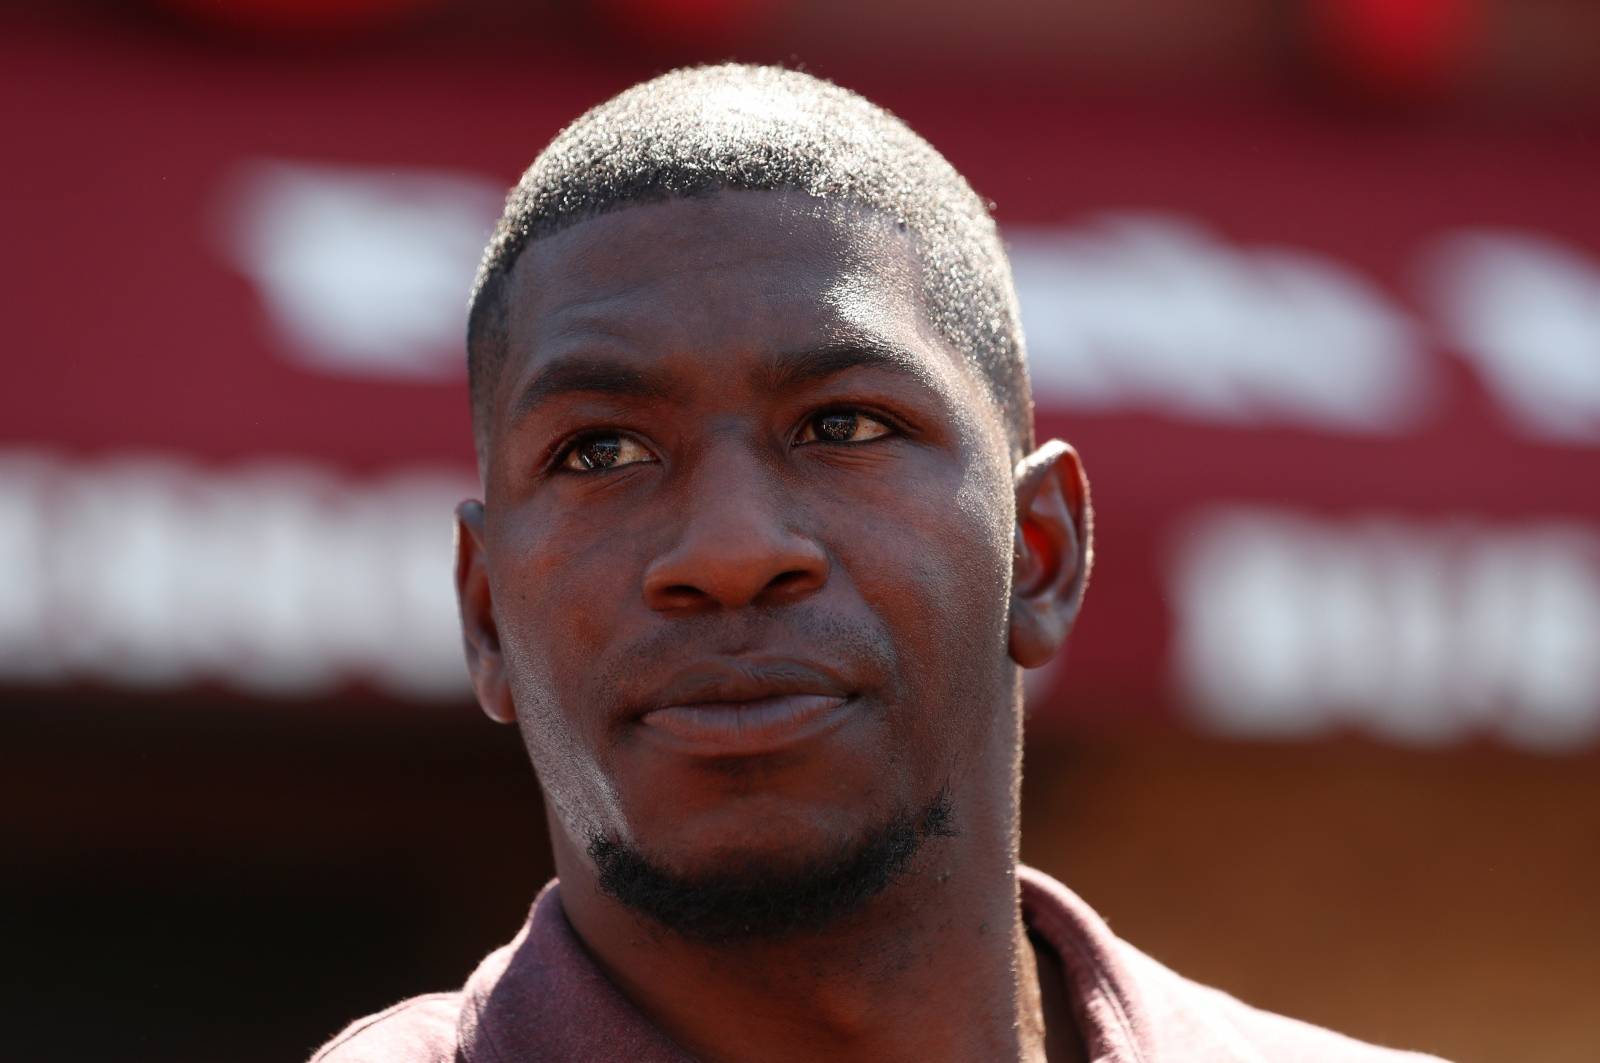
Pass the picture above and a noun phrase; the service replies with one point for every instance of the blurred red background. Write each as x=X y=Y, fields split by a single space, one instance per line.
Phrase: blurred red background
x=1315 y=289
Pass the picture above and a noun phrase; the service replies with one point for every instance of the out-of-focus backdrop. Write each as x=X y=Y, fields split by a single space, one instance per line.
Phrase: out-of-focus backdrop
x=1314 y=286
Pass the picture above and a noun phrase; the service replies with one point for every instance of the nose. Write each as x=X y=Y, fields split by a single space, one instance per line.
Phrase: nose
x=735 y=548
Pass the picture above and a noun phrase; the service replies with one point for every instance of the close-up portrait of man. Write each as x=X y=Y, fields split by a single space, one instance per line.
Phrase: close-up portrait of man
x=765 y=545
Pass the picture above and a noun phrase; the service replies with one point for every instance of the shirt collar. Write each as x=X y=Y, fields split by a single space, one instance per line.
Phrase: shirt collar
x=543 y=997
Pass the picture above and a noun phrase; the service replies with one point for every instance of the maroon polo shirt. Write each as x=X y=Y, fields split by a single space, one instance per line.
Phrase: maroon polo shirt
x=541 y=999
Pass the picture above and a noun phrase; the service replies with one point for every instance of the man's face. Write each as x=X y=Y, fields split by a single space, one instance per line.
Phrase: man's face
x=748 y=535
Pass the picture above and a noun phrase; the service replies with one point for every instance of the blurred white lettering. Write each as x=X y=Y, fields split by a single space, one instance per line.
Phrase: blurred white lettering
x=279 y=579
x=1416 y=631
x=1526 y=312
x=363 y=270
x=1155 y=312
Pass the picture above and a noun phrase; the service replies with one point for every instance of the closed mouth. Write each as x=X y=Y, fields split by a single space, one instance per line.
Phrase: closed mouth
x=746 y=708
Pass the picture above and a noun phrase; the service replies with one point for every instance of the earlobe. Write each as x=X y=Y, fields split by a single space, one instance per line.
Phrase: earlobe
x=480 y=635
x=1053 y=551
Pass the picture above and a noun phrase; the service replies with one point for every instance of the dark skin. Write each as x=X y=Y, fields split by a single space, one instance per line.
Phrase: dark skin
x=726 y=435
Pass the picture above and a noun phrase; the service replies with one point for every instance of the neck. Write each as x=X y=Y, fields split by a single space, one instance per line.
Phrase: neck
x=937 y=967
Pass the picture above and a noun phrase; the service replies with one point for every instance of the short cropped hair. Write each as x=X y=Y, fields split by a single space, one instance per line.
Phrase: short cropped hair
x=700 y=130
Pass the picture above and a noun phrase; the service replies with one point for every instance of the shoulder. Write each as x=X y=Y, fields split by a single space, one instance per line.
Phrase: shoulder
x=1136 y=1008
x=419 y=1030
x=1186 y=1011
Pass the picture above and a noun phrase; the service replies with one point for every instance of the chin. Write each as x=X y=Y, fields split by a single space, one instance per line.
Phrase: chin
x=772 y=884
x=766 y=832
x=695 y=817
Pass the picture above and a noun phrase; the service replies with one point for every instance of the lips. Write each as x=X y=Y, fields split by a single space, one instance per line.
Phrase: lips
x=745 y=707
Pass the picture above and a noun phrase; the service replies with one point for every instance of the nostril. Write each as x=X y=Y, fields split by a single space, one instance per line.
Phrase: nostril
x=792 y=580
x=677 y=597
x=707 y=574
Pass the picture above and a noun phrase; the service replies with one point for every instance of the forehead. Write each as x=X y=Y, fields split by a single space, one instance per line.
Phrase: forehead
x=734 y=272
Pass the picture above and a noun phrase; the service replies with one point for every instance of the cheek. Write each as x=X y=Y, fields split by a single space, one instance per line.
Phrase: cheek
x=962 y=552
x=936 y=567
x=558 y=587
x=556 y=593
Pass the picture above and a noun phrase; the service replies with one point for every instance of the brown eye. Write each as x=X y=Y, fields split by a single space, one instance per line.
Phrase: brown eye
x=842 y=426
x=605 y=450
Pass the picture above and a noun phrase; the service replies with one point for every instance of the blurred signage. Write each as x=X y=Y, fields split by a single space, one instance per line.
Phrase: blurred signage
x=1420 y=631
x=361 y=269
x=1157 y=312
x=1524 y=309
x=1339 y=390
x=362 y=272
x=279 y=579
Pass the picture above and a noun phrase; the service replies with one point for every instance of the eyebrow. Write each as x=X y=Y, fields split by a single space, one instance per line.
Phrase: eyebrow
x=596 y=375
x=797 y=368
x=589 y=374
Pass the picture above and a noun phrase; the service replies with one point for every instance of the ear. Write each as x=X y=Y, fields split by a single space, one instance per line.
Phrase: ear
x=1053 y=550
x=485 y=665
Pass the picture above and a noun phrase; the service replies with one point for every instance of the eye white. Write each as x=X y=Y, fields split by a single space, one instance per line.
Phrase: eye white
x=598 y=452
x=842 y=426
